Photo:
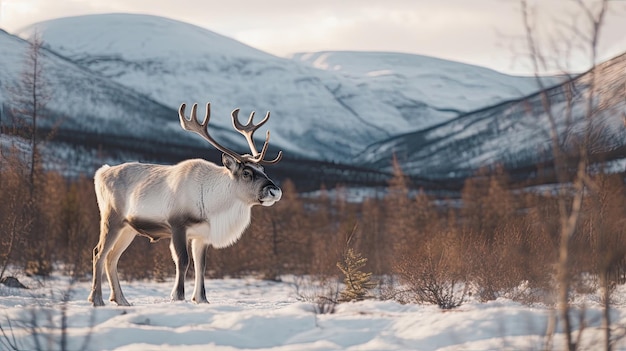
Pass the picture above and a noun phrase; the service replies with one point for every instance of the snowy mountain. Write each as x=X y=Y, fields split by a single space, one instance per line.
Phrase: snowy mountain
x=425 y=90
x=325 y=114
x=118 y=80
x=83 y=104
x=516 y=133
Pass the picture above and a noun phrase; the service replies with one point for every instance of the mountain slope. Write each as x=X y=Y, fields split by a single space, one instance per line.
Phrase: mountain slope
x=516 y=133
x=83 y=103
x=190 y=64
x=316 y=113
x=426 y=90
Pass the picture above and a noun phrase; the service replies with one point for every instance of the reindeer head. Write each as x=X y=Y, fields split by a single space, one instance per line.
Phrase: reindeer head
x=253 y=186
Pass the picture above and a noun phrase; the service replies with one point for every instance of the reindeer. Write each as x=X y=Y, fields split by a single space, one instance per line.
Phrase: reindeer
x=193 y=201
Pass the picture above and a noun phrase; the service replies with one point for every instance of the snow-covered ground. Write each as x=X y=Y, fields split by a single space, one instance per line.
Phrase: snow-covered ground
x=249 y=314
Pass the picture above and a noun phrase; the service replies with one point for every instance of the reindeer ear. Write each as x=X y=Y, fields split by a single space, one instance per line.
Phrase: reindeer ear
x=230 y=162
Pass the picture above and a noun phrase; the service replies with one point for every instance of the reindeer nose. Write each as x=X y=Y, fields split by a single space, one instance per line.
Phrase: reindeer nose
x=274 y=191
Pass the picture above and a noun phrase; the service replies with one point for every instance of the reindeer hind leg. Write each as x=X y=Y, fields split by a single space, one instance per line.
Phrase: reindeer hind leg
x=125 y=238
x=109 y=233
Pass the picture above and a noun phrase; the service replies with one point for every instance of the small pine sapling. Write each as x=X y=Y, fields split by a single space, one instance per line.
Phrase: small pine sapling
x=357 y=282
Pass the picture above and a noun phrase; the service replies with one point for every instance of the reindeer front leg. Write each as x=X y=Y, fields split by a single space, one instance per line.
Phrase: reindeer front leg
x=178 y=246
x=198 y=249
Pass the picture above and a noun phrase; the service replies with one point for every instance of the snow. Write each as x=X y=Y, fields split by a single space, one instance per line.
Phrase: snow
x=250 y=314
x=330 y=110
x=443 y=84
x=131 y=42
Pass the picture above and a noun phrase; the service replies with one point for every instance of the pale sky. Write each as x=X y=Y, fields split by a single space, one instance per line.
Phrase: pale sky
x=487 y=33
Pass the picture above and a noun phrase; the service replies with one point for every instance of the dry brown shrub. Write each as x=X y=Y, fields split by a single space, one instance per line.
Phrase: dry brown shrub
x=435 y=273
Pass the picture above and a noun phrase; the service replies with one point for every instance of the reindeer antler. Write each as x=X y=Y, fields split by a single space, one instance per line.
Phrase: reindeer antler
x=246 y=130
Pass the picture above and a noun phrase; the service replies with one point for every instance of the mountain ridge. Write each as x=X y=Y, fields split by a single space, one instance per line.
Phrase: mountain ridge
x=430 y=148
x=315 y=113
x=349 y=110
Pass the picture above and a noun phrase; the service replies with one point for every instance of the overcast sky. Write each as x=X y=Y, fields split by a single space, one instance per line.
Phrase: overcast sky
x=481 y=32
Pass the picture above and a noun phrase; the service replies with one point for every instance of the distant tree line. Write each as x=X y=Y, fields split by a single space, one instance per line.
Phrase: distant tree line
x=493 y=237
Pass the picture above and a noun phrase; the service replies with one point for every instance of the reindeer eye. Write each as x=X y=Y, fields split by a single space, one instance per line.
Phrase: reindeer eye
x=247 y=174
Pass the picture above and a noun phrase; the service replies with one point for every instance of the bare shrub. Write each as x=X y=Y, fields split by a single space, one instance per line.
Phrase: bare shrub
x=14 y=218
x=435 y=275
x=321 y=291
x=77 y=228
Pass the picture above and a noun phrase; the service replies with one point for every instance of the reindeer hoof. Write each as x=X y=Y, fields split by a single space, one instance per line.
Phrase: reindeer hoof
x=178 y=296
x=120 y=302
x=96 y=302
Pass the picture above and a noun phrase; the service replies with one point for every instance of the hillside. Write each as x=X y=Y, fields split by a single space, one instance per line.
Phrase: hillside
x=81 y=103
x=319 y=114
x=514 y=133
x=426 y=90
x=338 y=116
